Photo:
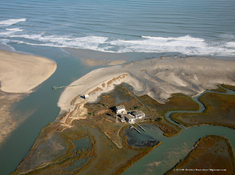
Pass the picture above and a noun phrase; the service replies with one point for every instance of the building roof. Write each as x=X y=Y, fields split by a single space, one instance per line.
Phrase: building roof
x=120 y=107
x=128 y=116
x=136 y=112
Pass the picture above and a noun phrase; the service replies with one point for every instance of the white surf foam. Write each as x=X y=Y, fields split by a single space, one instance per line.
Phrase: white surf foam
x=230 y=44
x=183 y=38
x=9 y=22
x=15 y=29
x=185 y=45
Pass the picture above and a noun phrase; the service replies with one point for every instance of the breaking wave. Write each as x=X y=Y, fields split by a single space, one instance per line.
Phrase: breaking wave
x=9 y=22
x=15 y=29
x=187 y=45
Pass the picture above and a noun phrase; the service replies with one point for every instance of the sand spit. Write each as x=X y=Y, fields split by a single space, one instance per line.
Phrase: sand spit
x=20 y=73
x=158 y=78
x=96 y=62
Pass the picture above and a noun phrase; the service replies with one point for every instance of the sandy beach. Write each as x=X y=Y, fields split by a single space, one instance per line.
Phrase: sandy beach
x=19 y=73
x=158 y=78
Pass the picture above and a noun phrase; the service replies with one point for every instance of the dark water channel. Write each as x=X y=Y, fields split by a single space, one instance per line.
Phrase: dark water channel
x=40 y=107
x=172 y=150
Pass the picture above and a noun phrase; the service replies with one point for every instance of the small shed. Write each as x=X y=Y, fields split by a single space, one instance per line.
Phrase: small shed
x=86 y=96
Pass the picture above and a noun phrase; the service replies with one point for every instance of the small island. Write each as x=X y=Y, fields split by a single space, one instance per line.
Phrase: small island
x=110 y=116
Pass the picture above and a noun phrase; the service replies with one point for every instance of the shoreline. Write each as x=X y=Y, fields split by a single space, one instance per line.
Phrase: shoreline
x=20 y=74
x=158 y=78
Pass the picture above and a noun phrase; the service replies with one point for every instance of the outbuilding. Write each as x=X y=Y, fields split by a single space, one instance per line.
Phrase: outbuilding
x=86 y=96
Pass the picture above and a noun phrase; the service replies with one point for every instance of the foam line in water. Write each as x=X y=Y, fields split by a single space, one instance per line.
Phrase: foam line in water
x=9 y=22
x=230 y=44
x=183 y=38
x=185 y=44
x=15 y=29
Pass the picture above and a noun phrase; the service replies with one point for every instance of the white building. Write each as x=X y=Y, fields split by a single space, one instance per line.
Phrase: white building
x=120 y=109
x=138 y=114
x=129 y=118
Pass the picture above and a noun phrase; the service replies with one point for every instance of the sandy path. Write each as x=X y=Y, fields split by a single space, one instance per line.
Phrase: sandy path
x=20 y=73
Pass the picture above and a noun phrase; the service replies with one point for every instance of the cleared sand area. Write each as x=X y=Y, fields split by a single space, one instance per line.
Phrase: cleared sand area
x=158 y=78
x=20 y=73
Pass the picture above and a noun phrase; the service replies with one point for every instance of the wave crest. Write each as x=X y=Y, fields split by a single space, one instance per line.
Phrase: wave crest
x=187 y=45
x=9 y=22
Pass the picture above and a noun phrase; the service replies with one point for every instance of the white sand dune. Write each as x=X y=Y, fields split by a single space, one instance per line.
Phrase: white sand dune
x=158 y=78
x=20 y=73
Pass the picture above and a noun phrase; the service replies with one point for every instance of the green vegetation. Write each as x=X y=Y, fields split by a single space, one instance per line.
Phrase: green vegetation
x=155 y=111
x=228 y=87
x=213 y=152
x=174 y=103
x=219 y=89
x=104 y=129
x=220 y=110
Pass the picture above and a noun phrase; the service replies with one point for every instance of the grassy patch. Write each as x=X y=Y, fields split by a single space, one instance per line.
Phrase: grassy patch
x=175 y=103
x=220 y=110
x=211 y=152
x=219 y=89
x=228 y=87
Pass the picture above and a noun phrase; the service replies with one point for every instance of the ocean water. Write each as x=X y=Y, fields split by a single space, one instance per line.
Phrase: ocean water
x=119 y=26
x=125 y=28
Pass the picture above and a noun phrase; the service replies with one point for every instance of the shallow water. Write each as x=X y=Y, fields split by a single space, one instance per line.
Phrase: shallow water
x=172 y=150
x=140 y=140
x=83 y=143
x=76 y=164
x=39 y=107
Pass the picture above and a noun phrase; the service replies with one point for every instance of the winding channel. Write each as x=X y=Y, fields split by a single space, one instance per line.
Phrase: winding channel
x=173 y=149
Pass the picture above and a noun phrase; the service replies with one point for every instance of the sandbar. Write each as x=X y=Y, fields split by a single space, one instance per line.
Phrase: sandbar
x=20 y=73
